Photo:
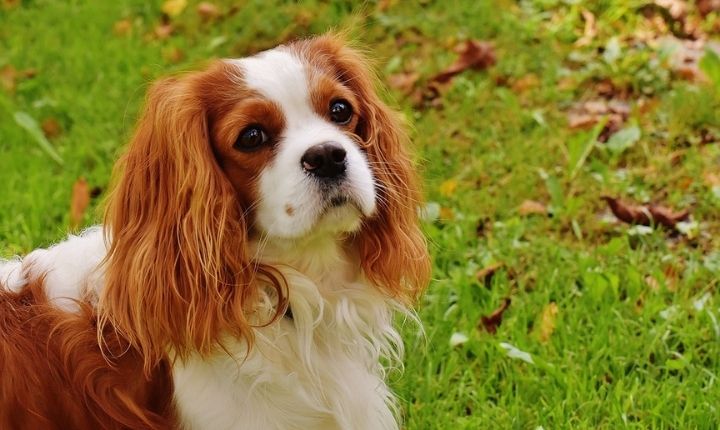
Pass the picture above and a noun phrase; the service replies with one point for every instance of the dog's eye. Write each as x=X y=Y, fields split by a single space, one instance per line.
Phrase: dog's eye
x=340 y=111
x=251 y=138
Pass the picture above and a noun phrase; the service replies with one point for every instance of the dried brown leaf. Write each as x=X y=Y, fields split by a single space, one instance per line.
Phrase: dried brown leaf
x=51 y=128
x=652 y=283
x=676 y=8
x=10 y=4
x=486 y=273
x=525 y=83
x=667 y=216
x=491 y=322
x=79 y=202
x=164 y=30
x=546 y=326
x=705 y=7
x=208 y=11
x=404 y=82
x=8 y=78
x=630 y=214
x=581 y=121
x=645 y=214
x=474 y=54
x=590 y=30
x=122 y=27
x=711 y=179
x=532 y=207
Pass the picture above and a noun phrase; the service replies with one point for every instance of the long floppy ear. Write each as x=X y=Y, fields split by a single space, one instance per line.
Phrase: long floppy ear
x=393 y=249
x=178 y=273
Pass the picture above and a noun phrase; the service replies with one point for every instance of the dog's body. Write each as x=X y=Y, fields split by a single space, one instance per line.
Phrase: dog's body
x=305 y=371
x=174 y=315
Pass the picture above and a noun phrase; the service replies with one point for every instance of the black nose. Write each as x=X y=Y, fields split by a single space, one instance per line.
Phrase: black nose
x=326 y=160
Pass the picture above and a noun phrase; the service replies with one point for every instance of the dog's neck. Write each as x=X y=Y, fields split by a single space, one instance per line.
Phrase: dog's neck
x=324 y=259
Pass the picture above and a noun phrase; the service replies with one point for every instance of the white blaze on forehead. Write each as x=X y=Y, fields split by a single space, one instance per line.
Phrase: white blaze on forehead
x=280 y=76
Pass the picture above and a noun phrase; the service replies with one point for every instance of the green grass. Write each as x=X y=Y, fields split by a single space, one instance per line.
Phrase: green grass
x=630 y=349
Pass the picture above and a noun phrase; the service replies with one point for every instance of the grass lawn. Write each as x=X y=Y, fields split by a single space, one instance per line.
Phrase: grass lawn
x=608 y=326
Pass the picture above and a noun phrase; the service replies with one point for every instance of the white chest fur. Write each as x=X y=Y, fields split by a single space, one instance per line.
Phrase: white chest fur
x=319 y=370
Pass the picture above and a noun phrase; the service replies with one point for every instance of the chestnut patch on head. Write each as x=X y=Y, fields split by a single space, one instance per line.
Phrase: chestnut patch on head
x=327 y=93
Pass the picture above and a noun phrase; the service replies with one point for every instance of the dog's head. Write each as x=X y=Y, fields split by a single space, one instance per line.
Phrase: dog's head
x=290 y=144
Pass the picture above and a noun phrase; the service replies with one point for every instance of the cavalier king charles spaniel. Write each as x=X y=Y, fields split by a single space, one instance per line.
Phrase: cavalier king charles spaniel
x=260 y=237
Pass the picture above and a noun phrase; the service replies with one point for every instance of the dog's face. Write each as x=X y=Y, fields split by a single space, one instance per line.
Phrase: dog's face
x=290 y=145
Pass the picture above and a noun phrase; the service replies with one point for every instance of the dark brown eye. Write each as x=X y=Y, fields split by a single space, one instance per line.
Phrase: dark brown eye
x=251 y=138
x=340 y=112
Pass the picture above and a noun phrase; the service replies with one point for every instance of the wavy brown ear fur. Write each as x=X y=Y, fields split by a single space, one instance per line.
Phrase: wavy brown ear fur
x=393 y=249
x=178 y=273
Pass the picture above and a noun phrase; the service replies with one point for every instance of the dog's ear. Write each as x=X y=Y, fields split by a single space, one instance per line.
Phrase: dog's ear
x=178 y=273
x=393 y=249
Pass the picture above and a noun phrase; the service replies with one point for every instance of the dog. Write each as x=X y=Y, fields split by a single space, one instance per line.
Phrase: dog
x=259 y=239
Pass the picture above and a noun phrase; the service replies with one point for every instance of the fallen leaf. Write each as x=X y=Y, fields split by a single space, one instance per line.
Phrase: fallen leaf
x=581 y=120
x=79 y=202
x=587 y=114
x=526 y=83
x=8 y=77
x=485 y=274
x=676 y=8
x=51 y=128
x=652 y=283
x=532 y=207
x=668 y=217
x=474 y=54
x=590 y=30
x=491 y=322
x=403 y=82
x=10 y=4
x=163 y=31
x=174 y=8
x=122 y=27
x=711 y=179
x=546 y=327
x=207 y=11
x=448 y=187
x=705 y=7
x=646 y=214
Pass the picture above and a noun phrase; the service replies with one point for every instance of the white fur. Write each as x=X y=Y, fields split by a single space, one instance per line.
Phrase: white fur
x=69 y=269
x=320 y=370
x=280 y=76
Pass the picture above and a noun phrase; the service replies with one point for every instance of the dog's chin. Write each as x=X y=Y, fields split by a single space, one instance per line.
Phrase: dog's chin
x=336 y=217
x=341 y=215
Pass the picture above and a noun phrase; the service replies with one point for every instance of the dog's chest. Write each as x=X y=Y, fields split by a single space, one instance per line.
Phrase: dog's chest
x=317 y=370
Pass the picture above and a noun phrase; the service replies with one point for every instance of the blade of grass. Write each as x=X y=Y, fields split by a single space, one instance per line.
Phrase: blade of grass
x=31 y=126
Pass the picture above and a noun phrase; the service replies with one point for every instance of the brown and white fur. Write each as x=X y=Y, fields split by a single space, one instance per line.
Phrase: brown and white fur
x=231 y=286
